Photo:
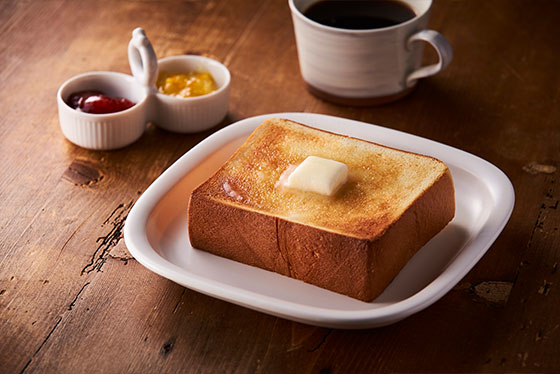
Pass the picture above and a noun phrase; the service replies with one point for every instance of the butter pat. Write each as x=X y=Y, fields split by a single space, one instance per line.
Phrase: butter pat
x=317 y=174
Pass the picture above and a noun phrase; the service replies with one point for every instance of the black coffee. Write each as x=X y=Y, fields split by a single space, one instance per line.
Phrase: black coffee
x=359 y=15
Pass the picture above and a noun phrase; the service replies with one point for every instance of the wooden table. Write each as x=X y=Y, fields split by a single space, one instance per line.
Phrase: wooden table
x=72 y=299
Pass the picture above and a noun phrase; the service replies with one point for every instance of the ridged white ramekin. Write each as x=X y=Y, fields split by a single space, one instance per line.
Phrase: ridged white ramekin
x=192 y=114
x=103 y=131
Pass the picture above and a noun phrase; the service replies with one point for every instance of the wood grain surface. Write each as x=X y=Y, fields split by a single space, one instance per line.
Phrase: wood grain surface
x=73 y=300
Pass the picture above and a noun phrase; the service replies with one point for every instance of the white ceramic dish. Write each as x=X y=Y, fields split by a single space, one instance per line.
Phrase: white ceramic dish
x=192 y=114
x=116 y=130
x=103 y=131
x=156 y=234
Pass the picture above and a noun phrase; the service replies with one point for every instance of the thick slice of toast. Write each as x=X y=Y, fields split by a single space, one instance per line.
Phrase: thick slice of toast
x=354 y=242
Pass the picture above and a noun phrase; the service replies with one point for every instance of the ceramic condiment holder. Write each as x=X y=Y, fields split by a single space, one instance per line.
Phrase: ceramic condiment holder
x=177 y=114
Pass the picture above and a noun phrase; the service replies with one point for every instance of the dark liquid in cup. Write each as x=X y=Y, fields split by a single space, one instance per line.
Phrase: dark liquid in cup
x=359 y=15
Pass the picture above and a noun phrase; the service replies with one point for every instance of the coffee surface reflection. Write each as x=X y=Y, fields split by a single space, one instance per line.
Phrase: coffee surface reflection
x=360 y=14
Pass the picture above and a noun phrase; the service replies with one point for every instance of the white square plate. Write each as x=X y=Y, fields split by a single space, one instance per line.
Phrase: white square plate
x=156 y=233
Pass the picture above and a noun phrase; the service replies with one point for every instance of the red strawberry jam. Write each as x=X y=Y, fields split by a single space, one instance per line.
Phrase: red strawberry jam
x=96 y=102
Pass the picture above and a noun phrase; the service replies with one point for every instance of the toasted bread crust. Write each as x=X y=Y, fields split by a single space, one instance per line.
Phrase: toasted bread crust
x=358 y=258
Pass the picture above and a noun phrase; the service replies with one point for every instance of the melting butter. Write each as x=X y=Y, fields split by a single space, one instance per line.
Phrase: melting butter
x=317 y=174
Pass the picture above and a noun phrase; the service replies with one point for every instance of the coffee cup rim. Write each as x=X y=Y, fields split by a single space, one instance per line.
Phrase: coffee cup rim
x=302 y=17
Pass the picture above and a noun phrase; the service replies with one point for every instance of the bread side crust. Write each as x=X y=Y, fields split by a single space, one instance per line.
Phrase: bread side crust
x=359 y=268
x=426 y=217
x=332 y=261
x=228 y=231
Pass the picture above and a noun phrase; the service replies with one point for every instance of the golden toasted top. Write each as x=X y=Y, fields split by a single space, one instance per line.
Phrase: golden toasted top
x=382 y=182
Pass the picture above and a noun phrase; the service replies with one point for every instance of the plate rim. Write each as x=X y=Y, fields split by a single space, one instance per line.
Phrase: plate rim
x=137 y=242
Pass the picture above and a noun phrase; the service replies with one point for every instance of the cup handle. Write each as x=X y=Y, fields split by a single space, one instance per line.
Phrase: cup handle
x=142 y=58
x=443 y=49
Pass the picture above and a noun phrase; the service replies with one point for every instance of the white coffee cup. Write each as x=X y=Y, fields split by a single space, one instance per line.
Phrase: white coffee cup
x=366 y=67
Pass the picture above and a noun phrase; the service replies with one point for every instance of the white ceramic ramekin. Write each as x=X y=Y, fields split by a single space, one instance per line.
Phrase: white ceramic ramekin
x=103 y=131
x=192 y=114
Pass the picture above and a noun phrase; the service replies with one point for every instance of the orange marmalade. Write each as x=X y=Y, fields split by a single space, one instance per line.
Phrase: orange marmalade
x=185 y=85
